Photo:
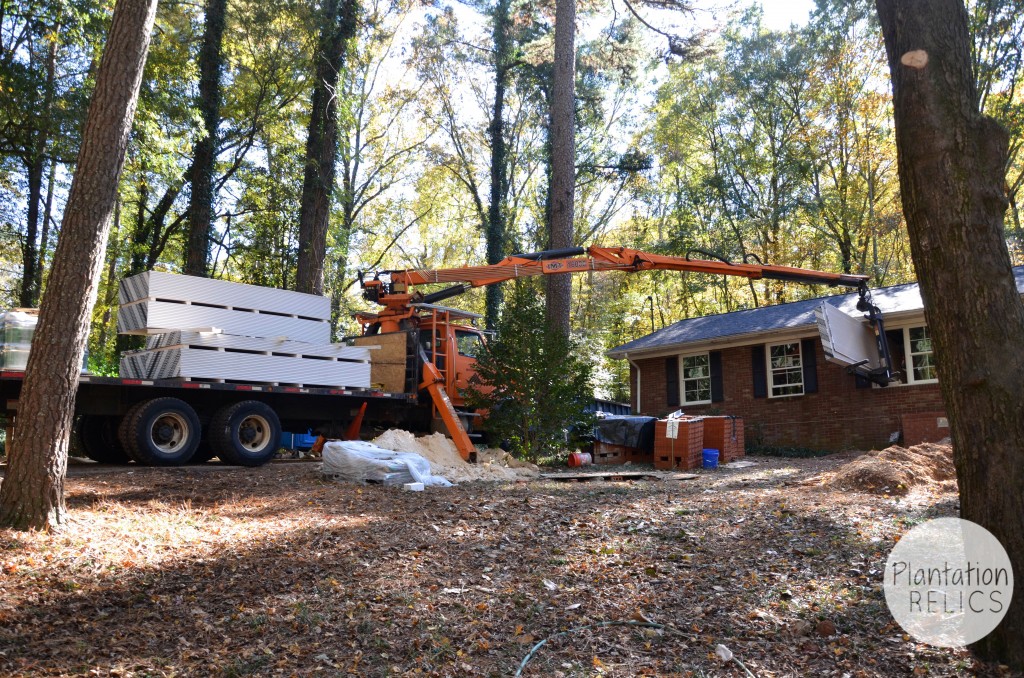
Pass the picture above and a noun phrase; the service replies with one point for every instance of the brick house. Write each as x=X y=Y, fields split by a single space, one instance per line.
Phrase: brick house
x=768 y=366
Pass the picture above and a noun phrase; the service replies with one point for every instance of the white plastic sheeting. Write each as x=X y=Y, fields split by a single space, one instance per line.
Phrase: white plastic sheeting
x=360 y=461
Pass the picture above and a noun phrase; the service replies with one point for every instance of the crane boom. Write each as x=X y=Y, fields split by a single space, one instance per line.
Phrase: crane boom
x=394 y=291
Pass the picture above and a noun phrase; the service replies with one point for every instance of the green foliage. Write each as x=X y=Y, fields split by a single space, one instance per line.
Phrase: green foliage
x=541 y=381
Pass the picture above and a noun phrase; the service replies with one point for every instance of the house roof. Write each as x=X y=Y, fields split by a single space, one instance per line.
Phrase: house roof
x=904 y=298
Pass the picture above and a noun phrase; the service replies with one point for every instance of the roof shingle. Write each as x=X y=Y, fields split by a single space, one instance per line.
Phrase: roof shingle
x=797 y=314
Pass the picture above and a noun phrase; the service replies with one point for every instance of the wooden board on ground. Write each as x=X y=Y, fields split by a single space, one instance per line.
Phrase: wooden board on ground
x=607 y=475
x=196 y=290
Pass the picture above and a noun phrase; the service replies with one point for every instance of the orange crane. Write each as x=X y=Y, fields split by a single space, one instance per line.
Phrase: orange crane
x=406 y=309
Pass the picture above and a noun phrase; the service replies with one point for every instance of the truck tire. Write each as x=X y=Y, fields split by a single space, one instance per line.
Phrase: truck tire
x=245 y=434
x=124 y=433
x=97 y=438
x=161 y=432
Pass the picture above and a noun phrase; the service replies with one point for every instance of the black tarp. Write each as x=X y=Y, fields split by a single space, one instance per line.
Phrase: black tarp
x=631 y=431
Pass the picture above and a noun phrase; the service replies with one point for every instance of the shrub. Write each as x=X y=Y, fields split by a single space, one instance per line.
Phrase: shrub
x=540 y=384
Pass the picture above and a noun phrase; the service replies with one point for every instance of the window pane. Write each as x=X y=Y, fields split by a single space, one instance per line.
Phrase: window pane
x=468 y=343
x=921 y=360
x=786 y=374
x=696 y=371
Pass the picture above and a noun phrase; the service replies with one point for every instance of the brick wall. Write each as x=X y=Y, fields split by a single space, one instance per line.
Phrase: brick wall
x=839 y=416
x=924 y=427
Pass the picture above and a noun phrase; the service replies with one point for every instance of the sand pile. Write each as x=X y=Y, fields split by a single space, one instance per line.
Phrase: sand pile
x=492 y=464
x=895 y=470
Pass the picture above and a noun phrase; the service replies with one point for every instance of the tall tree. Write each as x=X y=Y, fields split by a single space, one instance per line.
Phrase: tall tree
x=952 y=164
x=338 y=26
x=501 y=38
x=200 y=210
x=32 y=494
x=563 y=158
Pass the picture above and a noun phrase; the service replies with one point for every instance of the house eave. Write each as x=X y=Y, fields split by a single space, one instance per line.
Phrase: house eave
x=893 y=320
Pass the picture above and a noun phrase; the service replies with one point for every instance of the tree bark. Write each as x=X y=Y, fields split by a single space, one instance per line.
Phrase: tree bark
x=32 y=253
x=495 y=235
x=200 y=209
x=951 y=164
x=32 y=494
x=563 y=158
x=338 y=27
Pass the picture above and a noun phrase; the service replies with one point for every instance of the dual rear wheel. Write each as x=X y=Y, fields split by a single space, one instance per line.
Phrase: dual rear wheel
x=168 y=432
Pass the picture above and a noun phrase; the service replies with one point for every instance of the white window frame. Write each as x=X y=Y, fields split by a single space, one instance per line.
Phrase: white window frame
x=909 y=355
x=770 y=371
x=683 y=378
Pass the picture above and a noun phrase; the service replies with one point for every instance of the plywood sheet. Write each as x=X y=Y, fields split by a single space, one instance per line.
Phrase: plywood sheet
x=389 y=359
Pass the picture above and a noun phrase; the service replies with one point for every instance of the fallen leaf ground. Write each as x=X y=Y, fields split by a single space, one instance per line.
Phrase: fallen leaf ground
x=272 y=571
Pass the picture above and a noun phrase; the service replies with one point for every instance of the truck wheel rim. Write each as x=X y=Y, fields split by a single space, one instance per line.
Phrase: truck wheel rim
x=254 y=433
x=169 y=432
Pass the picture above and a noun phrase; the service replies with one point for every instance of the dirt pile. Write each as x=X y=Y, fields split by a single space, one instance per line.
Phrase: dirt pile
x=895 y=470
x=492 y=464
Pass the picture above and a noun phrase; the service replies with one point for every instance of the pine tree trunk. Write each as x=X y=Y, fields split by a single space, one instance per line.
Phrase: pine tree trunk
x=339 y=25
x=499 y=156
x=951 y=164
x=32 y=273
x=29 y=296
x=200 y=209
x=563 y=158
x=32 y=494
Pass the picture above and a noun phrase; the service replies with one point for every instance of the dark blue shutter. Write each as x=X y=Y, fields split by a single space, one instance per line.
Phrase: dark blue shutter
x=809 y=357
x=759 y=367
x=672 y=381
x=715 y=359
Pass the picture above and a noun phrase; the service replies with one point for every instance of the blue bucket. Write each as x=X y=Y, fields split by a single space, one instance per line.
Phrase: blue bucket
x=710 y=458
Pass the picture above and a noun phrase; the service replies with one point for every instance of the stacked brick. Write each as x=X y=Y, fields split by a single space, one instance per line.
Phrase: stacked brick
x=685 y=450
x=607 y=453
x=724 y=434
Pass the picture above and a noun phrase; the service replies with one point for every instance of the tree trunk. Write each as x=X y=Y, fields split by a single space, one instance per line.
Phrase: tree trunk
x=44 y=238
x=32 y=494
x=563 y=158
x=951 y=166
x=495 y=236
x=29 y=296
x=200 y=209
x=339 y=25
x=31 y=254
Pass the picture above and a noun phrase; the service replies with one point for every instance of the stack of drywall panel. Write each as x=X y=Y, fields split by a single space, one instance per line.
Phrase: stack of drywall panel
x=154 y=302
x=254 y=334
x=204 y=355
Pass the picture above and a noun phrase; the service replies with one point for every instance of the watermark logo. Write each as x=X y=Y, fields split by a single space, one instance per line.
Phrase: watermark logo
x=948 y=582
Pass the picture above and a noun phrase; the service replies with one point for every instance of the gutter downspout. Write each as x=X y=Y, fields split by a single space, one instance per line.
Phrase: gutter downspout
x=630 y=361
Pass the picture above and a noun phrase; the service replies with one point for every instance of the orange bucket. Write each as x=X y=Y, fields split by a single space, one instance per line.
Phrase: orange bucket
x=580 y=459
